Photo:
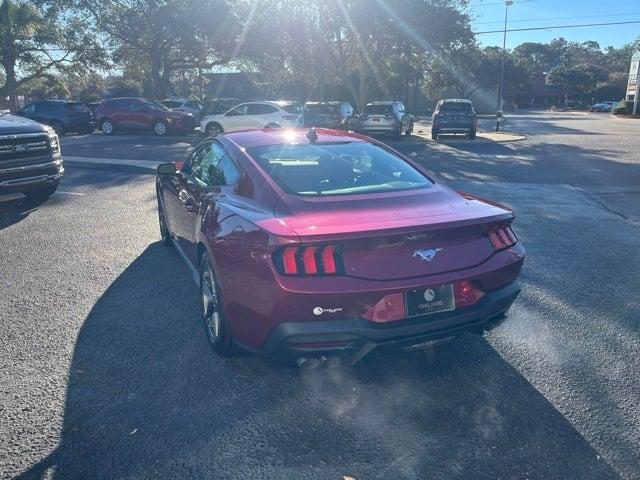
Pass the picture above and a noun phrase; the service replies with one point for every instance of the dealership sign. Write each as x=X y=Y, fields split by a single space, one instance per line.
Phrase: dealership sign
x=632 y=85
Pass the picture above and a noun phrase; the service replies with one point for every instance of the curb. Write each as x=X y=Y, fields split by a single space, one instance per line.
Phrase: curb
x=132 y=166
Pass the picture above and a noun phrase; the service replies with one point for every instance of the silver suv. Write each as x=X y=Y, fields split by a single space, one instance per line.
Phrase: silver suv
x=384 y=117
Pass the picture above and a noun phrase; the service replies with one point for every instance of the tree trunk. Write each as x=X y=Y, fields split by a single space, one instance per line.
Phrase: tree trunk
x=159 y=76
x=10 y=86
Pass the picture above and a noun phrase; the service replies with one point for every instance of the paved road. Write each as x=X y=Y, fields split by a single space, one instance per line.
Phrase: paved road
x=106 y=373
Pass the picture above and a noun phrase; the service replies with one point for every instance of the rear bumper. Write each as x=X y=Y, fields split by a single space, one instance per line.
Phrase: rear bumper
x=455 y=128
x=377 y=128
x=354 y=337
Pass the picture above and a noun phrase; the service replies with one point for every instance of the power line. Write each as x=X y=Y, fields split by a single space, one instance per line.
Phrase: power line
x=559 y=18
x=557 y=26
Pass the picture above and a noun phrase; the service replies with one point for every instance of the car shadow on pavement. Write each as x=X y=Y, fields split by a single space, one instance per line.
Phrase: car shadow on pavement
x=14 y=209
x=147 y=398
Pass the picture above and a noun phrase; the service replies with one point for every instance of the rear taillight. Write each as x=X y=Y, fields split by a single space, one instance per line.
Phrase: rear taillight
x=309 y=261
x=502 y=237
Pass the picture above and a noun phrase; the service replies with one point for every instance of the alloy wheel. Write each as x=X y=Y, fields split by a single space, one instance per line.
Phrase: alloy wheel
x=210 y=308
x=160 y=128
x=107 y=128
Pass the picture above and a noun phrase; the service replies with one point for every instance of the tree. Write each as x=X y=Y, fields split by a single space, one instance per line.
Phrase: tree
x=365 y=45
x=123 y=87
x=582 y=78
x=36 y=39
x=163 y=37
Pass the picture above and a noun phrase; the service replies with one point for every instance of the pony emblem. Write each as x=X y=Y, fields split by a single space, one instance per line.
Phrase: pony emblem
x=427 y=255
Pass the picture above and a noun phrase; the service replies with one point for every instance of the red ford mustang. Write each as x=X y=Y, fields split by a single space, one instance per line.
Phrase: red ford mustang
x=324 y=243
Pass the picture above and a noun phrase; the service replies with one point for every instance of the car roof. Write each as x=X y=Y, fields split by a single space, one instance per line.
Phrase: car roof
x=279 y=136
x=332 y=102
x=456 y=100
x=385 y=102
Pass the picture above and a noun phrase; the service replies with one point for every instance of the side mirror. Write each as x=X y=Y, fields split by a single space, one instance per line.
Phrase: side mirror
x=167 y=169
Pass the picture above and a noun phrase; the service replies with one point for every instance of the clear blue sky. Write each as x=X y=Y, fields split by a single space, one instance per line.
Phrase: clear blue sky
x=538 y=13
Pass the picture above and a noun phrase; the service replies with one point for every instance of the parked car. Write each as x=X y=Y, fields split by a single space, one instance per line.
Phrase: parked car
x=254 y=115
x=454 y=115
x=218 y=106
x=319 y=243
x=328 y=114
x=603 y=106
x=30 y=159
x=130 y=113
x=61 y=115
x=187 y=105
x=384 y=117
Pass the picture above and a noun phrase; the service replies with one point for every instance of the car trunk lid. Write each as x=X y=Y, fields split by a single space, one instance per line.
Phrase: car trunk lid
x=384 y=237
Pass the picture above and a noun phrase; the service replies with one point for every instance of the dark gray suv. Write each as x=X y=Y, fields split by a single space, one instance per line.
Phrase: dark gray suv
x=454 y=115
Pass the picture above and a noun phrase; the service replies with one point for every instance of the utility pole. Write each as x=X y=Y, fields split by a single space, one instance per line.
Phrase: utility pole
x=499 y=112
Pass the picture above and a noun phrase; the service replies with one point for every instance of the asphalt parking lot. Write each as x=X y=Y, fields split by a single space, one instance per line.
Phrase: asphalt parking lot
x=106 y=372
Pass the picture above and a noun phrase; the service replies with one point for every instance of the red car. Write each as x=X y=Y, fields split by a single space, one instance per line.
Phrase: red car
x=325 y=243
x=120 y=114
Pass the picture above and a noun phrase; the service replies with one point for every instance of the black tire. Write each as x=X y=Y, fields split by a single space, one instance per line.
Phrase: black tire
x=213 y=128
x=107 y=127
x=472 y=135
x=212 y=303
x=58 y=128
x=159 y=128
x=434 y=134
x=41 y=194
x=165 y=235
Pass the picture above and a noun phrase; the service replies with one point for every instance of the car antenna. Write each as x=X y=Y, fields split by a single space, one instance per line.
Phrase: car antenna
x=312 y=135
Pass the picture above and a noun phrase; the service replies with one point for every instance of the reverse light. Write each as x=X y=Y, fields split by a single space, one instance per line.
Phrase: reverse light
x=309 y=260
x=502 y=237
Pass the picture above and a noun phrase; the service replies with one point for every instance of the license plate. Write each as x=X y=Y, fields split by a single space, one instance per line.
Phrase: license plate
x=424 y=301
x=376 y=119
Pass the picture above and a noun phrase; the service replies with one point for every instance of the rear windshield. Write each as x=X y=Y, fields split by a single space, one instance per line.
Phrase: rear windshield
x=75 y=107
x=337 y=169
x=456 y=107
x=378 y=109
x=323 y=108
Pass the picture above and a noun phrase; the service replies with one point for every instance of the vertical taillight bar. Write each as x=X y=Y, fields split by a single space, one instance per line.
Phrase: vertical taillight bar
x=308 y=260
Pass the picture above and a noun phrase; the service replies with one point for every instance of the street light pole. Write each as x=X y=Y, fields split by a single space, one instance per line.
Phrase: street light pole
x=507 y=4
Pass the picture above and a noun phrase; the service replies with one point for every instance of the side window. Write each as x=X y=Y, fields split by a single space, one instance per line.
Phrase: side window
x=29 y=109
x=231 y=173
x=239 y=110
x=260 y=109
x=193 y=166
x=136 y=106
x=44 y=107
x=121 y=104
x=192 y=104
x=212 y=166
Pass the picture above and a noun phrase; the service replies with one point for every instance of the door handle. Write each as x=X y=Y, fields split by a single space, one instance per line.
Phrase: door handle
x=187 y=201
